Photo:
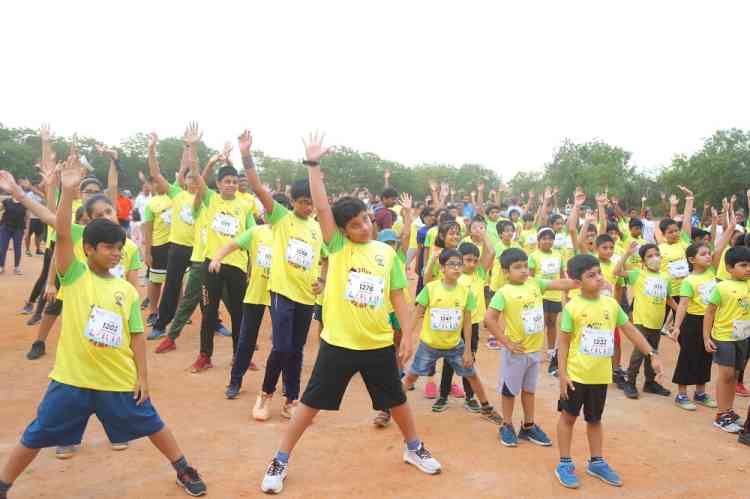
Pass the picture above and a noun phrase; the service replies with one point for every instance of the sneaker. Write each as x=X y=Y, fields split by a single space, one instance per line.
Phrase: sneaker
x=726 y=423
x=631 y=391
x=422 y=459
x=472 y=405
x=34 y=320
x=382 y=419
x=261 y=409
x=491 y=415
x=430 y=390
x=736 y=417
x=151 y=319
x=233 y=391
x=273 y=482
x=492 y=343
x=166 y=345
x=17 y=271
x=508 y=436
x=566 y=475
x=457 y=391
x=620 y=378
x=202 y=363
x=288 y=409
x=145 y=303
x=552 y=368
x=28 y=253
x=37 y=350
x=534 y=435
x=119 y=446
x=39 y=252
x=440 y=405
x=191 y=481
x=66 y=451
x=744 y=438
x=655 y=388
x=683 y=402
x=222 y=331
x=602 y=471
x=253 y=366
x=155 y=334
x=741 y=390
x=27 y=309
x=705 y=400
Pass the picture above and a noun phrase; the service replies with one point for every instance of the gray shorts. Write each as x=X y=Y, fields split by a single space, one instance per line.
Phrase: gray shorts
x=730 y=353
x=519 y=371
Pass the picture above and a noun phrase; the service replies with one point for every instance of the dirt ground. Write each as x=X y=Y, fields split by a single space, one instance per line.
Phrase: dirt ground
x=660 y=450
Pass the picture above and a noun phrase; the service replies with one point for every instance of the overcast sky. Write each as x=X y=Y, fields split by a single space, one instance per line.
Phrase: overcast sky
x=411 y=81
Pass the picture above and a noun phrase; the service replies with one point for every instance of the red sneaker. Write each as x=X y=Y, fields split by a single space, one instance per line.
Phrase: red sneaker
x=166 y=345
x=202 y=363
x=253 y=367
x=741 y=391
x=430 y=390
x=457 y=391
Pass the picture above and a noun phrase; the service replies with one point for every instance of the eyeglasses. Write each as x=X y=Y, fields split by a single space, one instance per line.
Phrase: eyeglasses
x=454 y=265
x=91 y=192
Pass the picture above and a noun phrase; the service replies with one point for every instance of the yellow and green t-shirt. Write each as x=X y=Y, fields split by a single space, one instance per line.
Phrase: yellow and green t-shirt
x=251 y=202
x=225 y=220
x=497 y=280
x=200 y=236
x=476 y=282
x=592 y=324
x=722 y=272
x=521 y=305
x=443 y=324
x=732 y=300
x=698 y=287
x=550 y=266
x=650 y=293
x=98 y=319
x=674 y=262
x=296 y=245
x=358 y=293
x=52 y=234
x=159 y=211
x=182 y=230
x=258 y=241
x=564 y=244
x=608 y=272
x=527 y=239
x=415 y=226
x=492 y=231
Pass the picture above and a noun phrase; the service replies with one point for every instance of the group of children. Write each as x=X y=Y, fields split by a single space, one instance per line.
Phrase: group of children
x=519 y=276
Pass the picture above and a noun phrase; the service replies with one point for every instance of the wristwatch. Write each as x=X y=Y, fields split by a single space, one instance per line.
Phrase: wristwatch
x=653 y=352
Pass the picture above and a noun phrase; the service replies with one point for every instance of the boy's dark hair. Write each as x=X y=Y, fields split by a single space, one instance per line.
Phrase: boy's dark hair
x=736 y=255
x=514 y=211
x=443 y=229
x=283 y=200
x=511 y=256
x=390 y=192
x=612 y=227
x=80 y=212
x=696 y=233
x=445 y=217
x=580 y=264
x=644 y=248
x=89 y=181
x=546 y=232
x=96 y=198
x=468 y=249
x=692 y=251
x=554 y=218
x=502 y=224
x=604 y=239
x=226 y=171
x=103 y=230
x=527 y=217
x=635 y=222
x=493 y=207
x=300 y=189
x=446 y=255
x=426 y=212
x=479 y=218
x=347 y=208
x=665 y=223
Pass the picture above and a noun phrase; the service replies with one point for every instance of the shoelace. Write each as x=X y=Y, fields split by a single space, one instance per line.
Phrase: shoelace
x=276 y=468
x=423 y=453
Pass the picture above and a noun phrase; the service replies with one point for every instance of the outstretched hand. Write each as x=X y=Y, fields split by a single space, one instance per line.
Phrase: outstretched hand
x=153 y=139
x=7 y=182
x=72 y=170
x=314 y=149
x=193 y=135
x=245 y=141
x=405 y=200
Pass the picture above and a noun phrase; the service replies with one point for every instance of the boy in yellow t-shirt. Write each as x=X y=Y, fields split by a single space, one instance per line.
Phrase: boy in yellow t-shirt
x=363 y=285
x=585 y=351
x=726 y=328
x=100 y=366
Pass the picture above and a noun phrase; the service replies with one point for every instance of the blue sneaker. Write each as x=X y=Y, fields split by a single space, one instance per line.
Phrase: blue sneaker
x=535 y=435
x=221 y=330
x=566 y=474
x=602 y=471
x=155 y=334
x=508 y=436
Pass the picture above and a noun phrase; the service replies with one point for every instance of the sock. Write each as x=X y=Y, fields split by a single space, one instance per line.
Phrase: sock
x=180 y=465
x=4 y=487
x=565 y=460
x=282 y=457
x=596 y=459
x=528 y=426
x=413 y=444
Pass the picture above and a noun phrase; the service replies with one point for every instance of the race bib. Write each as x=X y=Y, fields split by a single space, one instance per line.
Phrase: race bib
x=740 y=330
x=678 y=269
x=104 y=327
x=299 y=253
x=656 y=288
x=186 y=214
x=365 y=289
x=118 y=271
x=226 y=225
x=597 y=342
x=531 y=240
x=533 y=321
x=166 y=217
x=445 y=319
x=550 y=266
x=263 y=258
x=616 y=259
x=705 y=290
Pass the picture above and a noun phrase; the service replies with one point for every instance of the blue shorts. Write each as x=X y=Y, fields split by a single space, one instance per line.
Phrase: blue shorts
x=426 y=358
x=65 y=410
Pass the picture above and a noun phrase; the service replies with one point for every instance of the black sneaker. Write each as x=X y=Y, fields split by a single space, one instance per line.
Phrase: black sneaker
x=440 y=405
x=233 y=391
x=39 y=252
x=655 y=388
x=552 y=368
x=151 y=320
x=34 y=320
x=145 y=303
x=744 y=438
x=191 y=481
x=27 y=309
x=631 y=391
x=37 y=350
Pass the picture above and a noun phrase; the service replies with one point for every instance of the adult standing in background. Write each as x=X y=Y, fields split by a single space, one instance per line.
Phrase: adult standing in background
x=12 y=224
x=136 y=215
x=34 y=225
x=124 y=207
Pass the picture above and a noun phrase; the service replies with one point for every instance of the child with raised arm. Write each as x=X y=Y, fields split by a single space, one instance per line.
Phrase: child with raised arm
x=364 y=284
x=585 y=355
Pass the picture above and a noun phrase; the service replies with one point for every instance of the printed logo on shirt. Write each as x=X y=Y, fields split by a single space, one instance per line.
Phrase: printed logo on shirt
x=380 y=260
x=119 y=298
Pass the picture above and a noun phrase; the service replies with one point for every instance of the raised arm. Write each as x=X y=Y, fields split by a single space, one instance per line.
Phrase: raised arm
x=406 y=206
x=314 y=151
x=8 y=184
x=601 y=208
x=479 y=204
x=725 y=238
x=245 y=141
x=580 y=241
x=619 y=270
x=687 y=215
x=579 y=199
x=160 y=183
x=70 y=179
x=673 y=203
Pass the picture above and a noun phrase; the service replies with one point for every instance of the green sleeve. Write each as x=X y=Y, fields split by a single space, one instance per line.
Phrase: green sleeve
x=532 y=262
x=174 y=190
x=685 y=239
x=249 y=219
x=76 y=232
x=423 y=298
x=135 y=321
x=148 y=215
x=277 y=213
x=620 y=281
x=337 y=242
x=543 y=283
x=622 y=317
x=715 y=298
x=498 y=301
x=482 y=273
x=398 y=277
x=207 y=197
x=566 y=322
x=136 y=263
x=471 y=302
x=686 y=289
x=633 y=277
x=563 y=264
x=76 y=270
x=324 y=253
x=244 y=240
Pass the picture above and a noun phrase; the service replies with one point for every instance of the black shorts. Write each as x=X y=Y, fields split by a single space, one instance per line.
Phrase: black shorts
x=551 y=307
x=335 y=366
x=157 y=273
x=36 y=226
x=590 y=397
x=318 y=313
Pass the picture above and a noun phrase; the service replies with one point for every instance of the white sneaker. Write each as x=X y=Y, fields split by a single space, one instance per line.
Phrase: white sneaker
x=273 y=482
x=728 y=425
x=119 y=446
x=422 y=459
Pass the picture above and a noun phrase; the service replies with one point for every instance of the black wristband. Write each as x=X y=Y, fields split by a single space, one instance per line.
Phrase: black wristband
x=311 y=163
